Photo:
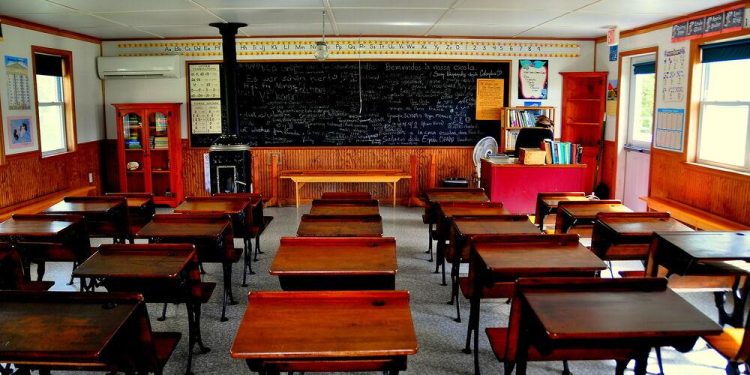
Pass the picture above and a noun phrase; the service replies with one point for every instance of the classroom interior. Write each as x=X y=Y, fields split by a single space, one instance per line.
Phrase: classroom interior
x=395 y=99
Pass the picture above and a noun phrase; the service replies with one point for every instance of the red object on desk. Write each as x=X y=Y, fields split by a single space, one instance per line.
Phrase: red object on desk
x=517 y=185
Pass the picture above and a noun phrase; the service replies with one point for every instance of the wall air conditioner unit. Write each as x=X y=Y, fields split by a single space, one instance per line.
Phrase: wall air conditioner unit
x=139 y=67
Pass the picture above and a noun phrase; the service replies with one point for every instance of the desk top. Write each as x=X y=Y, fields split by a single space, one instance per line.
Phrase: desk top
x=449 y=211
x=467 y=228
x=229 y=206
x=612 y=315
x=39 y=226
x=305 y=256
x=156 y=261
x=623 y=226
x=182 y=229
x=60 y=326
x=340 y=226
x=734 y=245
x=81 y=207
x=435 y=196
x=339 y=209
x=552 y=202
x=529 y=259
x=334 y=325
x=589 y=211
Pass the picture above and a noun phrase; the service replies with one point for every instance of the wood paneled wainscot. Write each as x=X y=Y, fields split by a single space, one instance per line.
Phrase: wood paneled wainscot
x=445 y=162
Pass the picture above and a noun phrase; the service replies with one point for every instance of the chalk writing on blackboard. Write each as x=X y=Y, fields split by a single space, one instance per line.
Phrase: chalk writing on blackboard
x=205 y=116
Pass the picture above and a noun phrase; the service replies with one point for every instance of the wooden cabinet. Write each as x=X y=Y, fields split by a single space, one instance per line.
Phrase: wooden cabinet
x=515 y=118
x=150 y=150
x=583 y=108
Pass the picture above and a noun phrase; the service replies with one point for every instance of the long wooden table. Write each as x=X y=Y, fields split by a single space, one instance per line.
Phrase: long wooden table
x=326 y=332
x=162 y=273
x=302 y=177
x=340 y=226
x=321 y=263
x=702 y=253
x=638 y=319
x=81 y=331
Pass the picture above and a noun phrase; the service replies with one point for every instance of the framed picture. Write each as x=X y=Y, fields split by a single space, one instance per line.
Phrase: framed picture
x=20 y=132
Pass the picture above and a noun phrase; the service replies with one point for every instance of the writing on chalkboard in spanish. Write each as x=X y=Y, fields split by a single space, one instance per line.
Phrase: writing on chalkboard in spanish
x=399 y=103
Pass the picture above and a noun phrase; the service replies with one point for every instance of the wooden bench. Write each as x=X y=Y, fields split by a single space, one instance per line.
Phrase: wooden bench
x=694 y=217
x=301 y=177
x=39 y=204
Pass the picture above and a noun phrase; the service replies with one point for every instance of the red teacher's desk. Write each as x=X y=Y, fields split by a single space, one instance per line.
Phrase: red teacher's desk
x=517 y=185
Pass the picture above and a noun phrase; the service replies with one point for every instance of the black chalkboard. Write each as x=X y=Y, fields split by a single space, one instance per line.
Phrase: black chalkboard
x=402 y=103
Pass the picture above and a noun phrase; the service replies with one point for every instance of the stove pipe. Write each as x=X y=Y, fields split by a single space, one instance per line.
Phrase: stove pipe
x=228 y=31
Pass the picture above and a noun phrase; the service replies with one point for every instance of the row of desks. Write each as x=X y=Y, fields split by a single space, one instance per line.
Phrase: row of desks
x=502 y=250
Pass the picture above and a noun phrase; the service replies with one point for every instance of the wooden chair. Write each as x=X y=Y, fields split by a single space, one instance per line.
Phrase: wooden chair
x=543 y=211
x=734 y=345
x=351 y=195
x=12 y=274
x=505 y=341
x=430 y=216
x=115 y=224
x=138 y=216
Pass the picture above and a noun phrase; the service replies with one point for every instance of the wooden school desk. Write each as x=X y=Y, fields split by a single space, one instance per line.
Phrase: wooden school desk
x=340 y=226
x=546 y=204
x=706 y=253
x=140 y=210
x=464 y=228
x=162 y=273
x=240 y=211
x=372 y=331
x=81 y=331
x=583 y=213
x=512 y=257
x=344 y=207
x=590 y=317
x=47 y=238
x=302 y=177
x=627 y=235
x=447 y=211
x=105 y=216
x=211 y=235
x=327 y=263
x=434 y=196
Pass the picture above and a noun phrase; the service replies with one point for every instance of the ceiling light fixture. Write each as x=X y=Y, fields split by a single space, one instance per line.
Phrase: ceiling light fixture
x=321 y=48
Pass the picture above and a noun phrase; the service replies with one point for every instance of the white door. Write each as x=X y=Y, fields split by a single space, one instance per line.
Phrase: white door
x=640 y=129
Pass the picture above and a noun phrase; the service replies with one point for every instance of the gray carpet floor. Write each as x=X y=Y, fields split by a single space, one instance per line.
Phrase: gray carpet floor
x=440 y=338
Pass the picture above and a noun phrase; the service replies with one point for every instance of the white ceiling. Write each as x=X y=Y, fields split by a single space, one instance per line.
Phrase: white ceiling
x=121 y=19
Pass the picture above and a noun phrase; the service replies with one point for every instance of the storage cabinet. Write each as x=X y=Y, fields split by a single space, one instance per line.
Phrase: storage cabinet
x=515 y=118
x=150 y=150
x=583 y=108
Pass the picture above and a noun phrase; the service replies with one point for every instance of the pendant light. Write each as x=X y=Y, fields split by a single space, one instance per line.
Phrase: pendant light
x=321 y=48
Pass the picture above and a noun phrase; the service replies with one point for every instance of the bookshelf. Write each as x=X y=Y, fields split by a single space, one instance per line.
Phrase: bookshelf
x=583 y=107
x=150 y=150
x=515 y=118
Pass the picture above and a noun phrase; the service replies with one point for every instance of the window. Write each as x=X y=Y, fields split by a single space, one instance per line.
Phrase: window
x=641 y=101
x=724 y=122
x=53 y=81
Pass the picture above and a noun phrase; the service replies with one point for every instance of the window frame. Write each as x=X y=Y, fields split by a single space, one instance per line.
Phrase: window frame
x=68 y=100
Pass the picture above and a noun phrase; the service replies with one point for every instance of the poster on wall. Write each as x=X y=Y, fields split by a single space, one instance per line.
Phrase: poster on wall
x=19 y=132
x=612 y=97
x=205 y=98
x=19 y=96
x=532 y=79
x=674 y=75
x=490 y=98
x=670 y=129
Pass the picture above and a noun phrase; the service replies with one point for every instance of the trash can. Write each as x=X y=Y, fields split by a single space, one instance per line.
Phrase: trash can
x=456 y=182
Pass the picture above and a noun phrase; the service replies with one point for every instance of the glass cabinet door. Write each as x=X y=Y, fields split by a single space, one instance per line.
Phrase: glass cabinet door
x=132 y=128
x=158 y=130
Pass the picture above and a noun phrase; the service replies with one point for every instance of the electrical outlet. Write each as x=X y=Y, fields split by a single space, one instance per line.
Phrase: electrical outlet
x=91 y=178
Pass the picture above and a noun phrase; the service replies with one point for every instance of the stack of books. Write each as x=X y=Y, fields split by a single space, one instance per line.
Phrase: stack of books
x=160 y=142
x=562 y=152
x=523 y=119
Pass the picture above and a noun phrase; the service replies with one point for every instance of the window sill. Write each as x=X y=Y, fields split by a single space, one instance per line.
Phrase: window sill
x=726 y=172
x=53 y=155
